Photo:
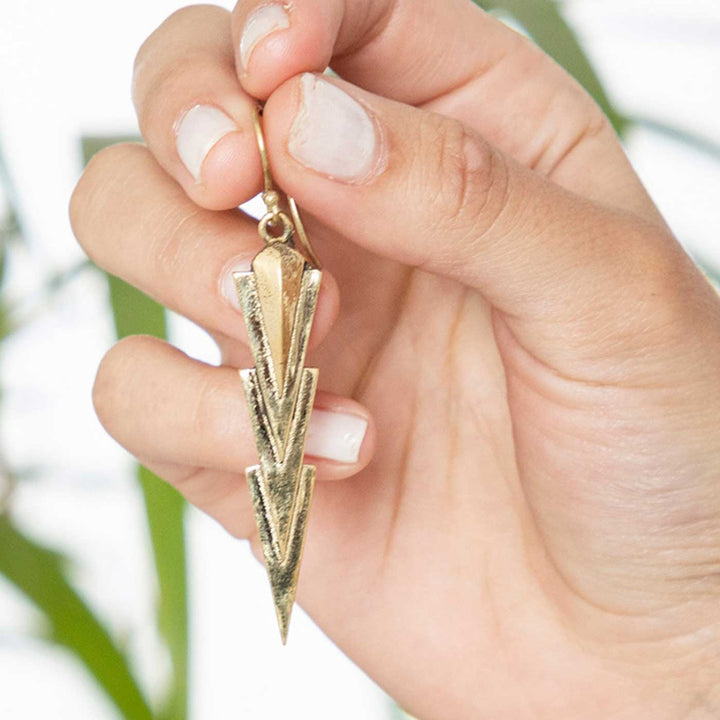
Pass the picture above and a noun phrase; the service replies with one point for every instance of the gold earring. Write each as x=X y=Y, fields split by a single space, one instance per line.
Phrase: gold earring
x=278 y=298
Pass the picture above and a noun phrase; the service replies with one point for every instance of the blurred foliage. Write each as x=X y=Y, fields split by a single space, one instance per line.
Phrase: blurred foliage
x=164 y=507
x=697 y=142
x=41 y=575
x=9 y=221
x=14 y=316
x=9 y=232
x=712 y=273
x=135 y=313
x=92 y=144
x=544 y=22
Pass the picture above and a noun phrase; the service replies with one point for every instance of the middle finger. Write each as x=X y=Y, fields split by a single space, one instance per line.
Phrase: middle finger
x=134 y=221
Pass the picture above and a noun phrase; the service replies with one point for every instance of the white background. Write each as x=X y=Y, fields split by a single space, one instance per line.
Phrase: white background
x=64 y=72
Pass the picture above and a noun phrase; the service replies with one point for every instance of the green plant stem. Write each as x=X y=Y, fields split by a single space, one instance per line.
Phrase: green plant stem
x=10 y=224
x=135 y=313
x=164 y=508
x=686 y=137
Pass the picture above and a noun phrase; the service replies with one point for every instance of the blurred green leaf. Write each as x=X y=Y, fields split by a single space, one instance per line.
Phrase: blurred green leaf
x=545 y=23
x=9 y=230
x=165 y=510
x=712 y=272
x=686 y=137
x=136 y=314
x=13 y=318
x=38 y=573
x=6 y=323
x=9 y=222
x=91 y=144
x=395 y=712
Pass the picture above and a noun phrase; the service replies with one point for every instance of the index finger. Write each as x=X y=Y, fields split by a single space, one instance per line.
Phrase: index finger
x=192 y=112
x=412 y=52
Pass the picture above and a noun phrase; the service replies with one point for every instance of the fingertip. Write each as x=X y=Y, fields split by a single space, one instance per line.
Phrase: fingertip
x=328 y=307
x=326 y=312
x=280 y=111
x=341 y=437
x=275 y=41
x=230 y=174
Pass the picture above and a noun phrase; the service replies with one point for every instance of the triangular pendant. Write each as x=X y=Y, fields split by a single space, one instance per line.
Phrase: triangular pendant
x=278 y=300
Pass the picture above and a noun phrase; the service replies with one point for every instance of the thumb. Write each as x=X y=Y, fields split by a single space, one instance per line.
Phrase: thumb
x=424 y=190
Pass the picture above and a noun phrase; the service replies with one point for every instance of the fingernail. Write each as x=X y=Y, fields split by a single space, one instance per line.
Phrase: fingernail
x=263 y=21
x=197 y=132
x=335 y=436
x=332 y=133
x=227 y=280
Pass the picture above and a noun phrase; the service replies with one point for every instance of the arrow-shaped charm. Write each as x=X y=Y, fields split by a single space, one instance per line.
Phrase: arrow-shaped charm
x=278 y=299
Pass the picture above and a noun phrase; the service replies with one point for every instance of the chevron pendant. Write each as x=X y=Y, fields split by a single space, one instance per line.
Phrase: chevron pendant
x=278 y=299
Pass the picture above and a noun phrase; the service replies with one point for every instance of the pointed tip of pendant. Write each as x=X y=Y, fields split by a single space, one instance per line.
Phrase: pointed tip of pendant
x=284 y=611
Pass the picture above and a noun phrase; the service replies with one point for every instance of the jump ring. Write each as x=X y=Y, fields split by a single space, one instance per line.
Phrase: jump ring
x=267 y=219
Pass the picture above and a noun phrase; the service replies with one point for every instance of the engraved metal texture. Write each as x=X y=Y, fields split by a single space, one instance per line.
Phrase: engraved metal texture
x=278 y=299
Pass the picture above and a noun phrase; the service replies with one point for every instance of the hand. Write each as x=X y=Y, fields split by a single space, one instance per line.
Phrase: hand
x=532 y=525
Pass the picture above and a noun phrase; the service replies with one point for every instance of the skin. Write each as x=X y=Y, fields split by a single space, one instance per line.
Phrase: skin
x=532 y=528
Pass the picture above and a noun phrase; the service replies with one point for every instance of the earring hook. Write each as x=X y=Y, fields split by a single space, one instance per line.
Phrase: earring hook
x=274 y=215
x=260 y=138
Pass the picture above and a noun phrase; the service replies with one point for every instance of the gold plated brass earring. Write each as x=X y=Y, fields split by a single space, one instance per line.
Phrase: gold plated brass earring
x=278 y=298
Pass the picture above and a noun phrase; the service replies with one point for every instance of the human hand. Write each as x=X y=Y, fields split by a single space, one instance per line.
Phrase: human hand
x=530 y=527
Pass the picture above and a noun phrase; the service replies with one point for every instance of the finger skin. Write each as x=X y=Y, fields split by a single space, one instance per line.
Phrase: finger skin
x=361 y=39
x=452 y=57
x=560 y=268
x=136 y=223
x=167 y=408
x=224 y=496
x=188 y=61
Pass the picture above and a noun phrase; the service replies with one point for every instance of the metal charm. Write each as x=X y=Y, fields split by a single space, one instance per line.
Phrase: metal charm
x=278 y=299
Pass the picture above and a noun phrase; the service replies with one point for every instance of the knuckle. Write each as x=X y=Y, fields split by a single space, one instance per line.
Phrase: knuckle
x=470 y=180
x=663 y=292
x=159 y=97
x=96 y=186
x=211 y=416
x=182 y=22
x=183 y=46
x=115 y=369
x=468 y=173
x=209 y=412
x=174 y=240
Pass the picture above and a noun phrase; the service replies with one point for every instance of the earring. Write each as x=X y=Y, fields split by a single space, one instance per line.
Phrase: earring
x=278 y=298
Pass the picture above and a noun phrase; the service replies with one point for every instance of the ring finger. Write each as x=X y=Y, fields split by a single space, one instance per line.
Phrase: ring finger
x=188 y=422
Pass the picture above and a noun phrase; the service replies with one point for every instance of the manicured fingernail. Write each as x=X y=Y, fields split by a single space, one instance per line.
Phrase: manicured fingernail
x=197 y=132
x=335 y=436
x=332 y=133
x=227 y=280
x=263 y=21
